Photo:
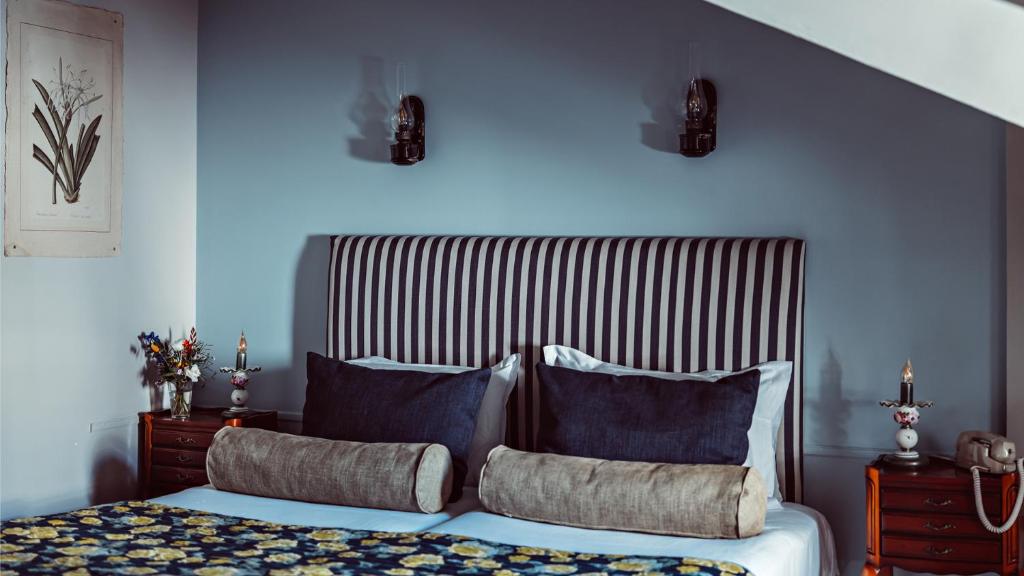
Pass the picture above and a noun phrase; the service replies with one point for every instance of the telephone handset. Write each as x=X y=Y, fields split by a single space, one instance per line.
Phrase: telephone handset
x=988 y=452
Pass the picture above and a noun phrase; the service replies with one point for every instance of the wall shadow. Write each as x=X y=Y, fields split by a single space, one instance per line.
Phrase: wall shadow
x=830 y=405
x=113 y=475
x=309 y=315
x=838 y=484
x=370 y=114
x=662 y=93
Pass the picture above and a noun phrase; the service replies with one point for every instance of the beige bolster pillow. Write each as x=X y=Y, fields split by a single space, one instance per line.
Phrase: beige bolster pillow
x=410 y=477
x=703 y=500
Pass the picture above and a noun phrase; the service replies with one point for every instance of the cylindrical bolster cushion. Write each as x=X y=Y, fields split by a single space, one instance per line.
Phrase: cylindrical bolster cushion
x=702 y=500
x=410 y=477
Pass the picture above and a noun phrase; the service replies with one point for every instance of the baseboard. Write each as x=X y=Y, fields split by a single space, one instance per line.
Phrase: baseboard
x=852 y=452
x=111 y=424
x=289 y=416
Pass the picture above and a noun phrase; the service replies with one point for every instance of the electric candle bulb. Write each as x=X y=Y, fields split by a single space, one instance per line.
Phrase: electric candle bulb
x=907 y=383
x=240 y=358
x=908 y=372
x=403 y=119
x=696 y=101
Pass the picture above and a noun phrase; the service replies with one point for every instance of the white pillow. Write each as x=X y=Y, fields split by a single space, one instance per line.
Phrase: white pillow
x=490 y=420
x=768 y=411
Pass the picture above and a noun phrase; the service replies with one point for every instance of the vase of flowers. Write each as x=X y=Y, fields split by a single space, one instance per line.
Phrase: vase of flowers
x=181 y=400
x=181 y=365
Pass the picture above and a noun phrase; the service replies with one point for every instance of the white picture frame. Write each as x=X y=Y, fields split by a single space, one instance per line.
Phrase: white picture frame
x=63 y=168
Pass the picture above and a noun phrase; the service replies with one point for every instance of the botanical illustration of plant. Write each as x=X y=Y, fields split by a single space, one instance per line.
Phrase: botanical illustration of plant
x=71 y=94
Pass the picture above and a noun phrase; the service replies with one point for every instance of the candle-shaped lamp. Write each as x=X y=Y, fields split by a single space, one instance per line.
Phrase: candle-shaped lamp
x=906 y=415
x=239 y=379
x=240 y=356
x=907 y=384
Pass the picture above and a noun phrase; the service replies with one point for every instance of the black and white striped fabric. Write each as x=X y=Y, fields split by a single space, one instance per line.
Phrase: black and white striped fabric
x=673 y=304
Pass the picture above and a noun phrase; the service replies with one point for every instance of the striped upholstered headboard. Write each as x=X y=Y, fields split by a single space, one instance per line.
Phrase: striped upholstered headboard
x=676 y=304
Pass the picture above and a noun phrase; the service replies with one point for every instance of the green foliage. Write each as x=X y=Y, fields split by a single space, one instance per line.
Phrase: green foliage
x=70 y=159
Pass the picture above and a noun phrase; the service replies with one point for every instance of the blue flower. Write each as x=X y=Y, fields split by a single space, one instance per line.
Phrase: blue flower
x=150 y=339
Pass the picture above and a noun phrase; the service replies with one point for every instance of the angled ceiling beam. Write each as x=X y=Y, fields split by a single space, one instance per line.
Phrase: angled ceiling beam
x=969 y=50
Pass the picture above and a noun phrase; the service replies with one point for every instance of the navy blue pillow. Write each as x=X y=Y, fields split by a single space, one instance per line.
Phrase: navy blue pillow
x=349 y=402
x=645 y=419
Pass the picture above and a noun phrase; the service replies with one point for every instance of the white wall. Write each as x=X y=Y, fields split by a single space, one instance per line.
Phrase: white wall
x=71 y=385
x=967 y=51
x=1015 y=284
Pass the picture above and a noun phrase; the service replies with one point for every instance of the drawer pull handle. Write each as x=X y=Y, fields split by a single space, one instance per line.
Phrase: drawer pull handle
x=937 y=552
x=943 y=528
x=938 y=503
x=184 y=477
x=183 y=458
x=186 y=440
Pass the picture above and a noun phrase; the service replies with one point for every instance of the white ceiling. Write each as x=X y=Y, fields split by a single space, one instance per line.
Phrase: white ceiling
x=968 y=50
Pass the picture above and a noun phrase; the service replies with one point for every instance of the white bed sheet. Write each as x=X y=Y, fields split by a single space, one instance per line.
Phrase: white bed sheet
x=209 y=499
x=797 y=541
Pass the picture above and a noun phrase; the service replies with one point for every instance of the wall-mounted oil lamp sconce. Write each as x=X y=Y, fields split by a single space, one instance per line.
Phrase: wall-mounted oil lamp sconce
x=700 y=123
x=408 y=123
x=700 y=112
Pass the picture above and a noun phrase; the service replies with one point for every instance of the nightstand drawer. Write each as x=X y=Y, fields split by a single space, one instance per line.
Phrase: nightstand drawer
x=949 y=550
x=182 y=439
x=179 y=458
x=185 y=476
x=961 y=502
x=932 y=525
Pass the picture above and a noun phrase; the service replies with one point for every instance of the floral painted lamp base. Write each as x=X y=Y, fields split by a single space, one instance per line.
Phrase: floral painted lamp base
x=240 y=395
x=906 y=415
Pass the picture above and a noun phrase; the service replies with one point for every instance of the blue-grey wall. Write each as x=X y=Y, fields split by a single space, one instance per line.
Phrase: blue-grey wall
x=557 y=117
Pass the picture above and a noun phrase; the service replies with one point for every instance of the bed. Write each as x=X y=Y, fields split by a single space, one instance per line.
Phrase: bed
x=801 y=531
x=671 y=304
x=793 y=527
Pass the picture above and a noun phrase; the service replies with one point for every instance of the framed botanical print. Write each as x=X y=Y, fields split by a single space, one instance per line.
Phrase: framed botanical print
x=63 y=165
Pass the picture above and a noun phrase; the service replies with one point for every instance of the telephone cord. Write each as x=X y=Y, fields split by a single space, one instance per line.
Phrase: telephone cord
x=980 y=505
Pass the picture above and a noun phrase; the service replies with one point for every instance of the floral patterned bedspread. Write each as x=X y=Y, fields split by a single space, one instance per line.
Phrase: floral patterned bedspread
x=150 y=538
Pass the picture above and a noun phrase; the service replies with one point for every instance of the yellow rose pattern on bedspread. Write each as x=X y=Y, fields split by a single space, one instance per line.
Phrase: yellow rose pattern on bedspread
x=150 y=538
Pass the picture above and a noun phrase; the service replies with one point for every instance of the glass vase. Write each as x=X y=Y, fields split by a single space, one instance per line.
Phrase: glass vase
x=181 y=400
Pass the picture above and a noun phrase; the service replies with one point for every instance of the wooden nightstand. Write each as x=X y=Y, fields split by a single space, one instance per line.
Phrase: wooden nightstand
x=172 y=453
x=924 y=520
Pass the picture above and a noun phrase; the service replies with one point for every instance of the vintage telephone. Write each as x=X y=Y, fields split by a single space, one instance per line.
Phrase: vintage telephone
x=988 y=452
